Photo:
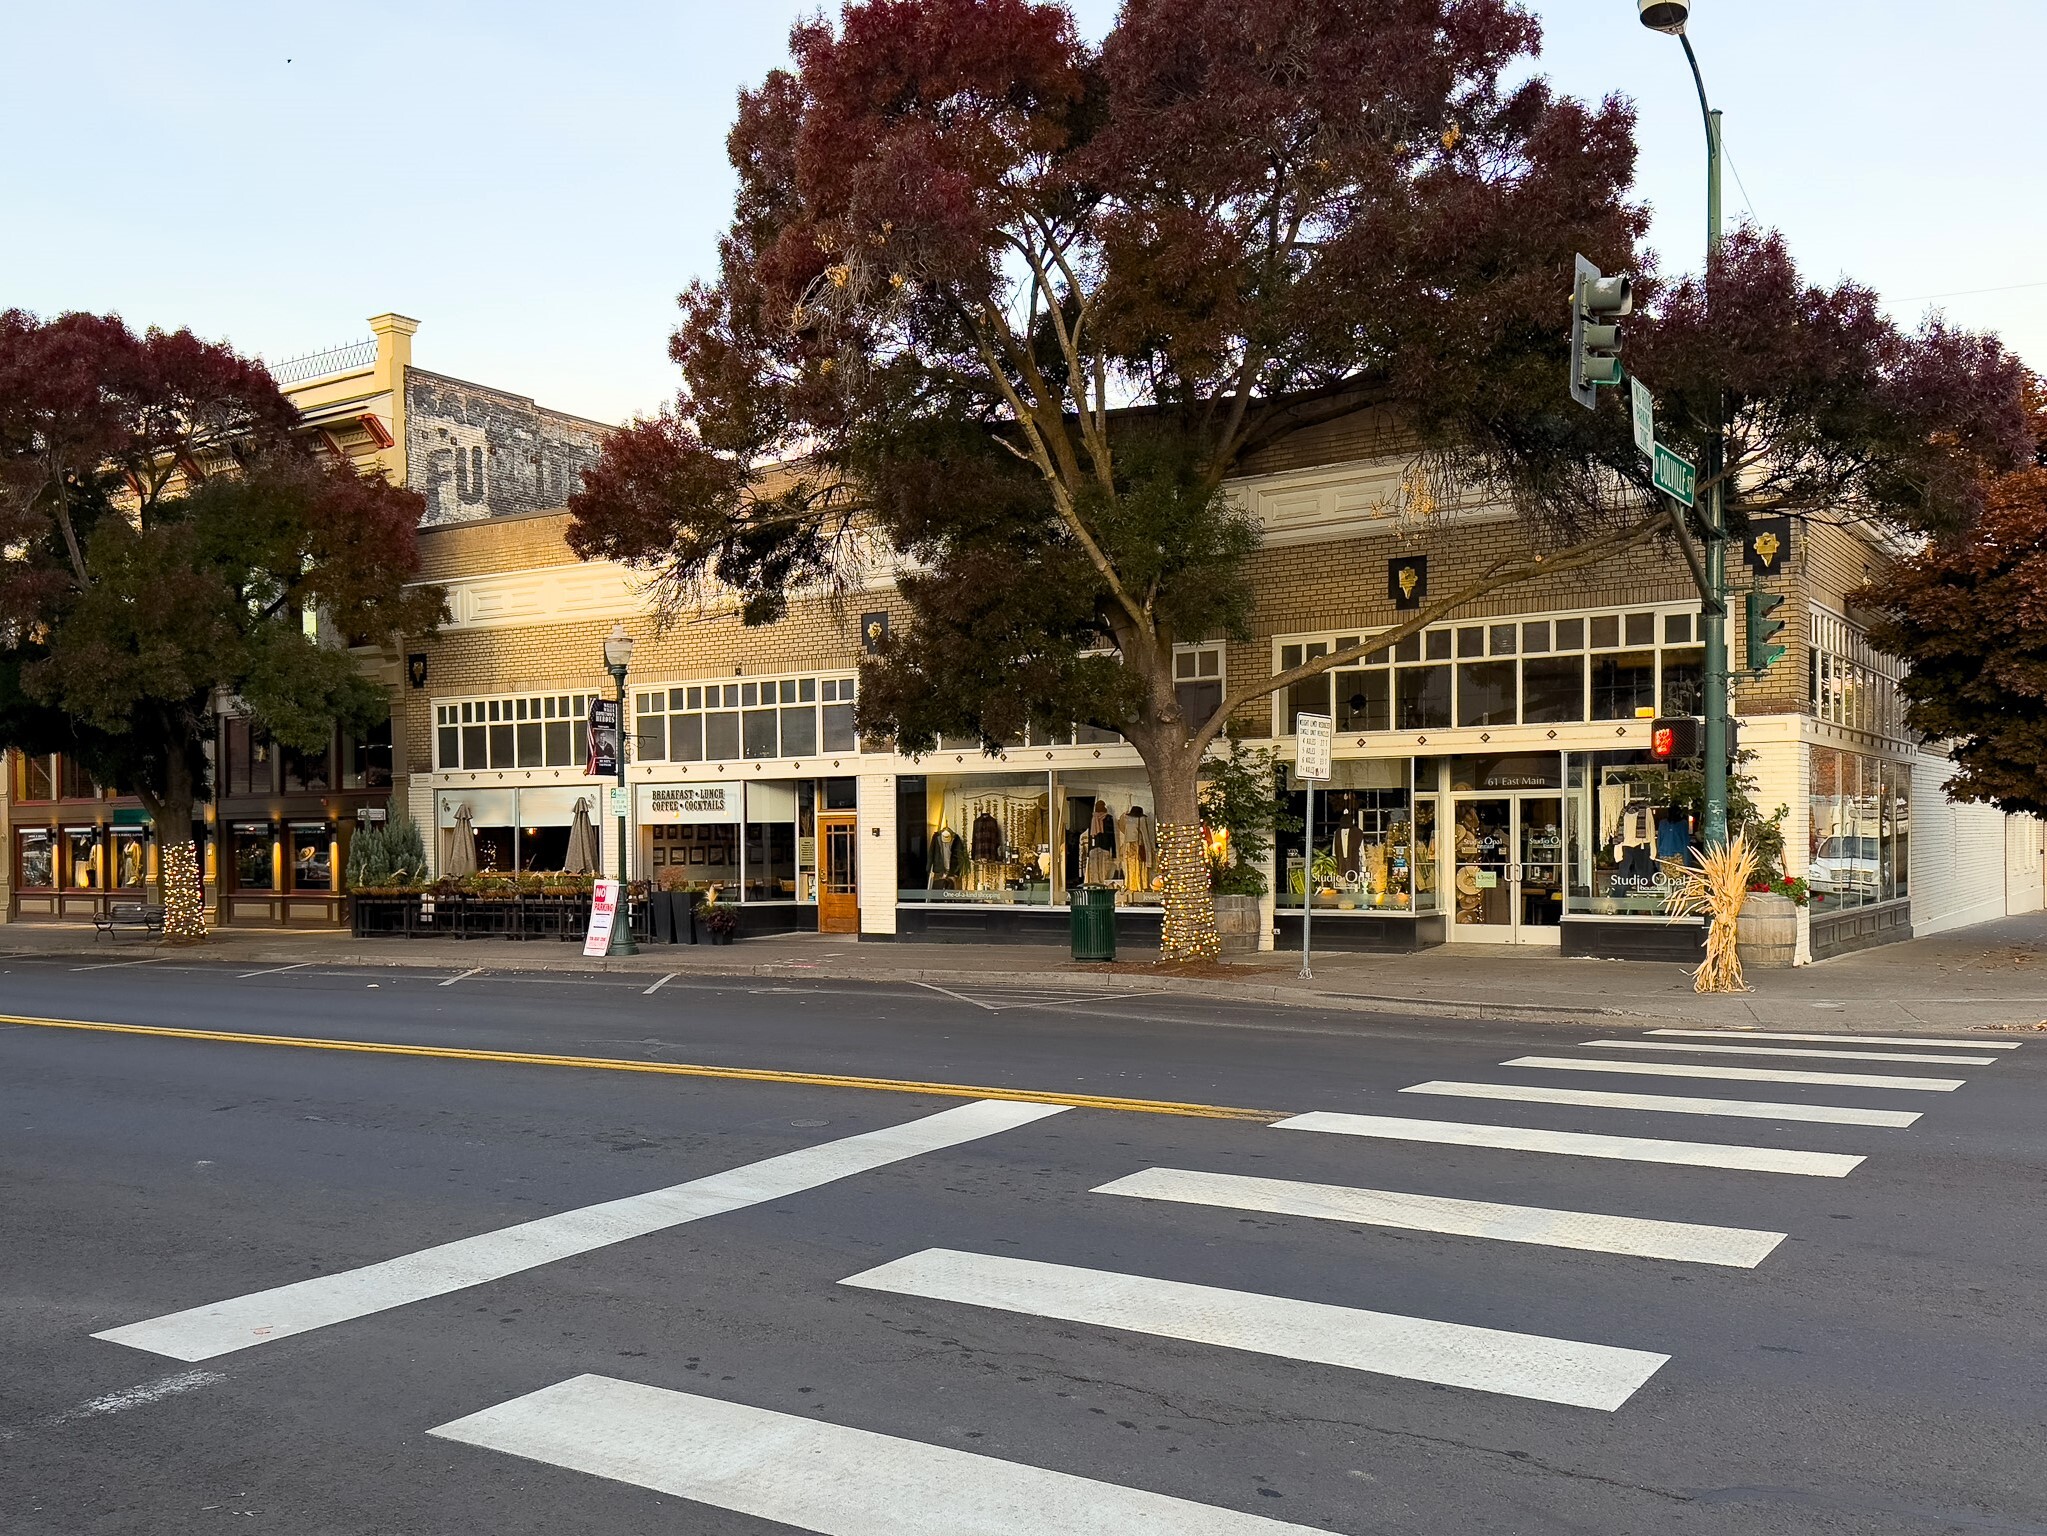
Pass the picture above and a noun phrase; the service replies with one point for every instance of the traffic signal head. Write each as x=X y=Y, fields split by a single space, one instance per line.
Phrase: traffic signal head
x=1762 y=629
x=1674 y=737
x=1598 y=303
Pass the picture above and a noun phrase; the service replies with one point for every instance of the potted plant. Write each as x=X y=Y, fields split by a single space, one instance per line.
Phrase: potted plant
x=1767 y=930
x=718 y=921
x=1241 y=808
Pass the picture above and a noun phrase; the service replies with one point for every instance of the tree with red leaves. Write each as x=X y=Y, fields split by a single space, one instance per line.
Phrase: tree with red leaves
x=168 y=539
x=1007 y=310
x=1968 y=613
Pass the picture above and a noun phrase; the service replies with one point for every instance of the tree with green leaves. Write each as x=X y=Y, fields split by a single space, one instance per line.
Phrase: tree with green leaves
x=172 y=543
x=1008 y=310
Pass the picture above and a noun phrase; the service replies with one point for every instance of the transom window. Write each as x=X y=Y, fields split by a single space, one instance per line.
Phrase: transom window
x=745 y=721
x=1507 y=671
x=547 y=730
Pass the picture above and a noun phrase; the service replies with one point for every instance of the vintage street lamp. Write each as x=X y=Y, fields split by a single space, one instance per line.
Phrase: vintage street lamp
x=618 y=656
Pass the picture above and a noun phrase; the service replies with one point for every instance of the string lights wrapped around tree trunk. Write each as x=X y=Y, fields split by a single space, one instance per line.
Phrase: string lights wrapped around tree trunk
x=184 y=898
x=1189 y=924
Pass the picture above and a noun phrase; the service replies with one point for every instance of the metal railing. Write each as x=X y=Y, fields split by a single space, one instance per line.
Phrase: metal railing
x=315 y=365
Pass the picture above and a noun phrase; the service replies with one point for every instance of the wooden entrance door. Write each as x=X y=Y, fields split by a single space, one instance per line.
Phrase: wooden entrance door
x=838 y=887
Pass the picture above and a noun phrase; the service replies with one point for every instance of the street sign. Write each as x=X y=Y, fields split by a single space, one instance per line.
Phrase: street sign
x=620 y=803
x=1642 y=407
x=1673 y=476
x=1314 y=735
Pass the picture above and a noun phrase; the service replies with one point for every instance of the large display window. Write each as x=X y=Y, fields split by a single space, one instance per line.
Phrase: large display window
x=1108 y=835
x=977 y=838
x=131 y=858
x=255 y=868
x=1625 y=815
x=37 y=864
x=1860 y=830
x=1374 y=843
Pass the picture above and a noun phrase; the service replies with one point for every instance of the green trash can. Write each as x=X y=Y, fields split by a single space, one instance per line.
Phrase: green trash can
x=1094 y=922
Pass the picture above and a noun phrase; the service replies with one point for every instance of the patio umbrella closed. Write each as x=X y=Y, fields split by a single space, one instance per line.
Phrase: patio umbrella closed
x=582 y=855
x=461 y=846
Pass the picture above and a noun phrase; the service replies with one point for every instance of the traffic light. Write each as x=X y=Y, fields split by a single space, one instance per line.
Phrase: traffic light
x=1598 y=303
x=1762 y=629
x=1673 y=738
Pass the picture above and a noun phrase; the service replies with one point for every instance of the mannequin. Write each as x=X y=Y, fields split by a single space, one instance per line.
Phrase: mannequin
x=1350 y=846
x=1101 y=845
x=1134 y=835
x=947 y=861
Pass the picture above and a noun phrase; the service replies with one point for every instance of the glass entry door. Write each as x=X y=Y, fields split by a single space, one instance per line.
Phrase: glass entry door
x=1508 y=863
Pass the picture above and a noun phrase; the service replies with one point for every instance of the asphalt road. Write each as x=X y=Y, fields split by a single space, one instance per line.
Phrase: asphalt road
x=1261 y=1330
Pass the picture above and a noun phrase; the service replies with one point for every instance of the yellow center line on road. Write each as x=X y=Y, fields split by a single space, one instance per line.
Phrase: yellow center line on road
x=668 y=1069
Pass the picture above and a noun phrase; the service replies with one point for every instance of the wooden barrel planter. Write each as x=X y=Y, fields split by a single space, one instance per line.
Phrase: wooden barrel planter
x=1236 y=921
x=1766 y=935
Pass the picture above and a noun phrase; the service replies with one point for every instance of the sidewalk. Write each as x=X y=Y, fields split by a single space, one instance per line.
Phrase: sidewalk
x=1994 y=974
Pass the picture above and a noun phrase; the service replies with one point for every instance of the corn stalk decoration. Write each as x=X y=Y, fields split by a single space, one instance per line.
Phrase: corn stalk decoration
x=1714 y=889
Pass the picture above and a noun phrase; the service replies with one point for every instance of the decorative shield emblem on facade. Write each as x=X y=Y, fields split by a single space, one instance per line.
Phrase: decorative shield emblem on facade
x=873 y=631
x=415 y=669
x=1407 y=581
x=1767 y=545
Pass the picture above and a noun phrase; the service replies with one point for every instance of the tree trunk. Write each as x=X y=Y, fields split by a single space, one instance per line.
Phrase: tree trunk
x=1188 y=931
x=180 y=889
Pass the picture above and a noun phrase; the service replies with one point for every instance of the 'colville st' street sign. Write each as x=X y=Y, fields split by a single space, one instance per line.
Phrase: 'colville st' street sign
x=1672 y=475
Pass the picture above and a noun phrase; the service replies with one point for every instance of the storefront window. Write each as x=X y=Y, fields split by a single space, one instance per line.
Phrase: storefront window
x=38 y=858
x=979 y=838
x=770 y=873
x=1623 y=685
x=1374 y=848
x=1624 y=818
x=83 y=858
x=1861 y=847
x=1553 y=688
x=312 y=861
x=253 y=866
x=131 y=858
x=1486 y=693
x=1107 y=835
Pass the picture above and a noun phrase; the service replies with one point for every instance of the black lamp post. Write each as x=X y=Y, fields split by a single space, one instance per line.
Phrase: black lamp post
x=618 y=656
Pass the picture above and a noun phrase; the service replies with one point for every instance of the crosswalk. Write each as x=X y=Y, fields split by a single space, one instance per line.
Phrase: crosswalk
x=854 y=1480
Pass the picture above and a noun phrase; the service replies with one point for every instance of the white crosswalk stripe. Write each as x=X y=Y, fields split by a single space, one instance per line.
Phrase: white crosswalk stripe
x=1736 y=1074
x=1385 y=1344
x=221 y=1328
x=1670 y=1104
x=1632 y=1149
x=1771 y=1034
x=1736 y=1247
x=1782 y=1050
x=819 y=1477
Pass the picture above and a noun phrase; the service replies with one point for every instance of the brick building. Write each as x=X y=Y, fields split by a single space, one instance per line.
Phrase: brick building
x=1492 y=783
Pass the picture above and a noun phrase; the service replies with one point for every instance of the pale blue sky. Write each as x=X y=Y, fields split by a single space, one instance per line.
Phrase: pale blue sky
x=536 y=182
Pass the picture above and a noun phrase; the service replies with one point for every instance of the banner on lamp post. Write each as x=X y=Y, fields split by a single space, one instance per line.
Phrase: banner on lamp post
x=602 y=759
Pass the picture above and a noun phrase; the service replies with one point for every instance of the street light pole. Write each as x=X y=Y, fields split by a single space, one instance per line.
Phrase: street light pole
x=618 y=656
x=1669 y=16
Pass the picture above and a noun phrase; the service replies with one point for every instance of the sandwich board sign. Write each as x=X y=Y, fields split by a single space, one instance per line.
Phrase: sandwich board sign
x=603 y=912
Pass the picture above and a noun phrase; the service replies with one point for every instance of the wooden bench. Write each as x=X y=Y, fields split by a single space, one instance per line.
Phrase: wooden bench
x=137 y=915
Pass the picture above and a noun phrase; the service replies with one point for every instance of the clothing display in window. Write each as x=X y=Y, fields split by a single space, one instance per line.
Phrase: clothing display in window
x=1101 y=845
x=947 y=863
x=1139 y=848
x=987 y=840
